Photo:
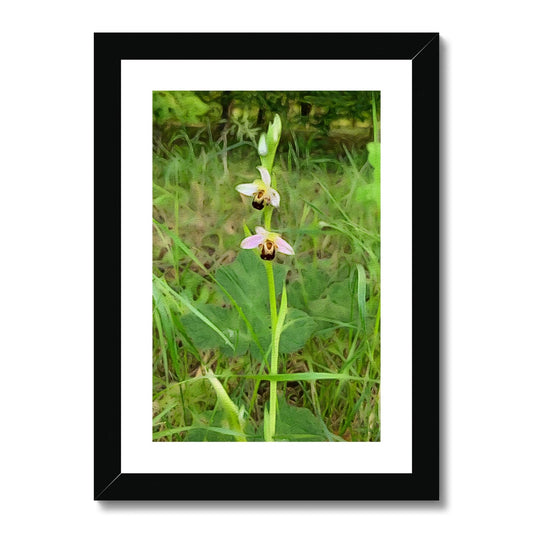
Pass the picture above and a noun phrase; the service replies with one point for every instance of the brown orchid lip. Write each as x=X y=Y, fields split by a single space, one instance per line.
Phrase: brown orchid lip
x=268 y=250
x=258 y=204
x=260 y=199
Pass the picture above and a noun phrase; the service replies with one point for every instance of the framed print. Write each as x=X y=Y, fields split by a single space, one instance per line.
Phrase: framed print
x=266 y=266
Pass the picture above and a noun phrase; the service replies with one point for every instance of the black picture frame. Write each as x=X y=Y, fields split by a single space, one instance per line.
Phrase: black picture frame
x=422 y=50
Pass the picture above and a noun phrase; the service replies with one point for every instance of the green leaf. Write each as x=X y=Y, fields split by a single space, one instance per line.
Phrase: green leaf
x=218 y=323
x=246 y=278
x=313 y=283
x=246 y=281
x=325 y=310
x=340 y=292
x=297 y=330
x=299 y=424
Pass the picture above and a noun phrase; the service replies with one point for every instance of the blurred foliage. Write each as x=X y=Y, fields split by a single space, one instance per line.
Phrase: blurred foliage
x=180 y=106
x=321 y=110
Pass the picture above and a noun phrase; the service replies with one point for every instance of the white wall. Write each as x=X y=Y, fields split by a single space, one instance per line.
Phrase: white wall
x=46 y=283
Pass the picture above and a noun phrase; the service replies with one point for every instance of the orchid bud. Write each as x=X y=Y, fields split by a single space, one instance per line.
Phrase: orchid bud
x=262 y=148
x=276 y=128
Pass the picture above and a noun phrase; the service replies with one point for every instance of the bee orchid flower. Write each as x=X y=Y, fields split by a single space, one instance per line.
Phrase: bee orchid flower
x=267 y=242
x=260 y=190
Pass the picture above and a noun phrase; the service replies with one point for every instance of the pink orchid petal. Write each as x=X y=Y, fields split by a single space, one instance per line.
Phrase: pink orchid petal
x=265 y=176
x=248 y=189
x=274 y=198
x=261 y=231
x=252 y=242
x=284 y=247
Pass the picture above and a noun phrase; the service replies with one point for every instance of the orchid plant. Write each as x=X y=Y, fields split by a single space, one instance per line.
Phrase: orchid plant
x=267 y=242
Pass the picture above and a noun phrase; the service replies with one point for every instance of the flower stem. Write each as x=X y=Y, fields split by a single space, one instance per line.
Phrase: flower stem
x=272 y=295
x=272 y=138
x=268 y=217
x=274 y=352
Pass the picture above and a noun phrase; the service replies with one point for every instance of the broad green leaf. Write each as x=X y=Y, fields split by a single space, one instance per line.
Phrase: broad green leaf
x=313 y=283
x=297 y=330
x=296 y=295
x=315 y=280
x=246 y=281
x=324 y=309
x=341 y=292
x=206 y=334
x=298 y=424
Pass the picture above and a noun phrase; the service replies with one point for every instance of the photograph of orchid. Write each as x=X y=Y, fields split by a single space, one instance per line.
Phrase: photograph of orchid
x=266 y=266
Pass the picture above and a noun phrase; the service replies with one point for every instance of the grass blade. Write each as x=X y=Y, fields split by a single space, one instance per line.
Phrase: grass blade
x=361 y=294
x=232 y=413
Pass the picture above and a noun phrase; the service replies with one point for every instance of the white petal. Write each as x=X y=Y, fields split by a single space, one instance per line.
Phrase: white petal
x=248 y=189
x=274 y=198
x=265 y=176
